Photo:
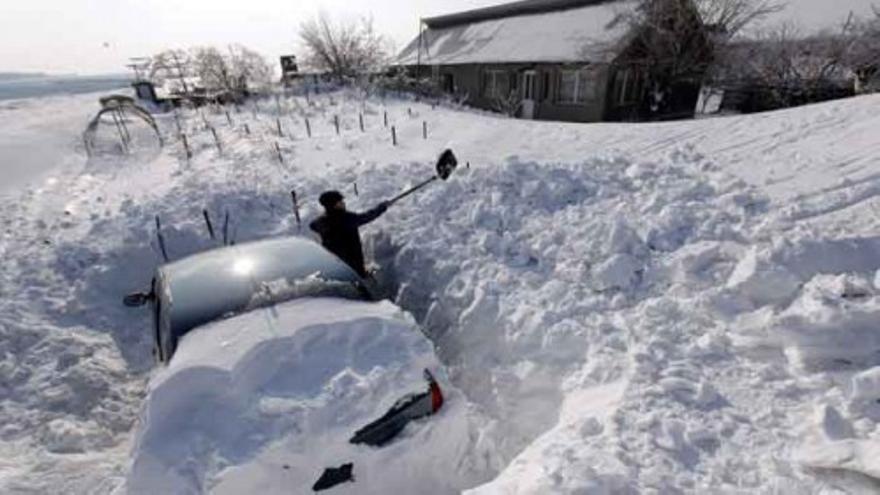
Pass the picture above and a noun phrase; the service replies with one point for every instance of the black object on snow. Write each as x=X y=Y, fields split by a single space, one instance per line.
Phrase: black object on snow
x=334 y=476
x=446 y=164
x=408 y=408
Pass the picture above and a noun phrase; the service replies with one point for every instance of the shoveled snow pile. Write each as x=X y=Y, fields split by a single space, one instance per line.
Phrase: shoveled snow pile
x=680 y=307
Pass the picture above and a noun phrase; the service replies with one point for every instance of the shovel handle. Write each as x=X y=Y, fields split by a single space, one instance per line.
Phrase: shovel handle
x=411 y=190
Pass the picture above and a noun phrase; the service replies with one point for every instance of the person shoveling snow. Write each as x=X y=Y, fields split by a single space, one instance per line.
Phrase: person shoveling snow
x=338 y=227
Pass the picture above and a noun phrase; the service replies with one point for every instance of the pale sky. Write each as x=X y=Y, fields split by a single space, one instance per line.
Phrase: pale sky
x=70 y=35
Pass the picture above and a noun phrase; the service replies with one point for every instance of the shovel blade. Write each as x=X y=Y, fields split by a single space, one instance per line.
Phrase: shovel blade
x=446 y=164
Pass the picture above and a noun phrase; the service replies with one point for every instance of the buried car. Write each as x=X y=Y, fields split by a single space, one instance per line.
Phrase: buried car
x=283 y=375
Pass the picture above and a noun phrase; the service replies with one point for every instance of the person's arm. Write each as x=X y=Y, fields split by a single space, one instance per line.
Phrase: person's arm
x=370 y=215
x=317 y=226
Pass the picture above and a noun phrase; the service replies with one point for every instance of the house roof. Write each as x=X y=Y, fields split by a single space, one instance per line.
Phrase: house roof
x=525 y=31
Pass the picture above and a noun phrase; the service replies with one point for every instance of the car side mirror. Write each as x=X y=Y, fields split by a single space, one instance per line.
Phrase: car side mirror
x=136 y=299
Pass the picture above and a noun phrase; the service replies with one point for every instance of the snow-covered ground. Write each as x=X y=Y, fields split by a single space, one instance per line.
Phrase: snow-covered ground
x=659 y=308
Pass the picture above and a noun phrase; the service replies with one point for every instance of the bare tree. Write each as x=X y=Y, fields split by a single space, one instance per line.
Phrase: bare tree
x=675 y=42
x=343 y=48
x=728 y=18
x=863 y=57
x=249 y=68
x=782 y=67
x=239 y=70
x=212 y=68
x=172 y=64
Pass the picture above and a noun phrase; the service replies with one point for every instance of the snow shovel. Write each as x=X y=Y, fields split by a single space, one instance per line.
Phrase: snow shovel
x=446 y=164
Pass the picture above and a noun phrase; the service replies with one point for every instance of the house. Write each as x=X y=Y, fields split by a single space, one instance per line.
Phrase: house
x=570 y=60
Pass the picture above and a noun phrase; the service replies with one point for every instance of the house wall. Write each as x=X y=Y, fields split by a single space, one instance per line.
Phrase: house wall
x=469 y=79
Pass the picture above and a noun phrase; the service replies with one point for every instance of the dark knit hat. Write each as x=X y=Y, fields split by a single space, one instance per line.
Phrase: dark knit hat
x=328 y=199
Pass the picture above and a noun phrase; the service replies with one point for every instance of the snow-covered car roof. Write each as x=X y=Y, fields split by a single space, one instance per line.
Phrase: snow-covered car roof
x=265 y=401
x=226 y=281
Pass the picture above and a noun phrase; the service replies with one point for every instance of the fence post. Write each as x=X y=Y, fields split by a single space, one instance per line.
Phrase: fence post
x=385 y=117
x=228 y=118
x=226 y=229
x=424 y=129
x=161 y=239
x=278 y=151
x=186 y=147
x=361 y=121
x=216 y=140
x=308 y=127
x=296 y=208
x=336 y=123
x=280 y=133
x=208 y=223
x=393 y=136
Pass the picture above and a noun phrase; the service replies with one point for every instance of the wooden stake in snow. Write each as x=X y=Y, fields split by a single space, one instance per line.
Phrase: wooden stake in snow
x=161 y=239
x=226 y=229
x=361 y=121
x=228 y=118
x=87 y=146
x=336 y=123
x=186 y=146
x=356 y=189
x=278 y=152
x=296 y=208
x=385 y=117
x=393 y=136
x=247 y=130
x=209 y=224
x=216 y=140
x=177 y=121
x=424 y=129
x=280 y=132
x=308 y=127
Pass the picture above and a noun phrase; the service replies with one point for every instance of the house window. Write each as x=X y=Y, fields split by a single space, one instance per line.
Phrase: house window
x=576 y=86
x=545 y=86
x=627 y=86
x=496 y=84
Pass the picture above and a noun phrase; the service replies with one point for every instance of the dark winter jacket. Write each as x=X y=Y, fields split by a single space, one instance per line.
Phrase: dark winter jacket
x=339 y=234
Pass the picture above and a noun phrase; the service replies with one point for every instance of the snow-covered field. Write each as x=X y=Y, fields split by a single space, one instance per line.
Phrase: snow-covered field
x=686 y=307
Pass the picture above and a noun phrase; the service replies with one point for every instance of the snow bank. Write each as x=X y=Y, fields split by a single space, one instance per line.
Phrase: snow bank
x=652 y=308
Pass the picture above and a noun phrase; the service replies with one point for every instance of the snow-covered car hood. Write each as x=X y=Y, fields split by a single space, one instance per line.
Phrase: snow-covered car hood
x=263 y=402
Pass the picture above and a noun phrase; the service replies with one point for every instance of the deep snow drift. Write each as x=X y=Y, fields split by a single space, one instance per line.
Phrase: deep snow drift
x=267 y=400
x=679 y=307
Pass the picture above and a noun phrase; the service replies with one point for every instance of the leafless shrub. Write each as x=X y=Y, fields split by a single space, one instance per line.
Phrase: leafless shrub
x=864 y=55
x=507 y=104
x=343 y=49
x=782 y=67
